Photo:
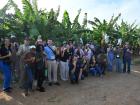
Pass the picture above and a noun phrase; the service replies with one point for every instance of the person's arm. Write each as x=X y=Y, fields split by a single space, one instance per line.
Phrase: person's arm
x=82 y=52
x=32 y=59
x=130 y=51
x=94 y=63
x=44 y=53
x=6 y=56
x=28 y=57
x=73 y=70
x=20 y=50
x=63 y=52
x=80 y=74
x=108 y=50
x=85 y=66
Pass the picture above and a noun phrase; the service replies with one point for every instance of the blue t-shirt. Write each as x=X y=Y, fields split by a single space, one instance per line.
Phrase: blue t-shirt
x=50 y=53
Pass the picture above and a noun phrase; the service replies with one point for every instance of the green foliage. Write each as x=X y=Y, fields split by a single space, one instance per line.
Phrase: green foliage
x=100 y=27
x=128 y=32
x=34 y=22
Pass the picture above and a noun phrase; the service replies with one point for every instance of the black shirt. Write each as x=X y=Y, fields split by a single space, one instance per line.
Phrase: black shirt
x=3 y=52
x=65 y=57
x=71 y=51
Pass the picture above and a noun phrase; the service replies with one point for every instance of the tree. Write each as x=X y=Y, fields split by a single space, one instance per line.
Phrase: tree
x=66 y=24
x=128 y=32
x=99 y=28
x=34 y=22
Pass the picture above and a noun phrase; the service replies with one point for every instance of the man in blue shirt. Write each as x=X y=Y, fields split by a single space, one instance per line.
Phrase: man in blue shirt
x=51 y=63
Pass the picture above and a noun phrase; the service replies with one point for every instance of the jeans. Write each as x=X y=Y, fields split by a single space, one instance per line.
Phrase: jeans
x=93 y=71
x=126 y=62
x=5 y=68
x=110 y=66
x=101 y=67
x=118 y=65
x=29 y=79
x=110 y=58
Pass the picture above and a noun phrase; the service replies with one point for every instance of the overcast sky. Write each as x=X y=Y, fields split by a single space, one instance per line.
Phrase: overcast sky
x=103 y=9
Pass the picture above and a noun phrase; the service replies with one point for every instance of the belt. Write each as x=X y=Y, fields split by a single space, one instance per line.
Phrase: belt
x=50 y=59
x=117 y=57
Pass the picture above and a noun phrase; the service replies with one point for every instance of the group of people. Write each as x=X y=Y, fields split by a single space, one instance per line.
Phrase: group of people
x=33 y=64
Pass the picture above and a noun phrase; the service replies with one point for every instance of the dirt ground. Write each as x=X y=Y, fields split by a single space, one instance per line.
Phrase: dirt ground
x=112 y=89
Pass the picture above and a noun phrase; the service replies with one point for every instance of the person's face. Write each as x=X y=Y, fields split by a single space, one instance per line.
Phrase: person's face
x=110 y=46
x=33 y=50
x=26 y=42
x=126 y=45
x=67 y=46
x=50 y=42
x=40 y=42
x=7 y=42
x=78 y=48
x=71 y=44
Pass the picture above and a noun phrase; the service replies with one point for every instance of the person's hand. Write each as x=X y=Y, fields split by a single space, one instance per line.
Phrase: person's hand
x=33 y=59
x=9 y=54
x=72 y=71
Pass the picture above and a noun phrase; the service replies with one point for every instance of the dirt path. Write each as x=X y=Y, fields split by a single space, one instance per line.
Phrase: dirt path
x=113 y=89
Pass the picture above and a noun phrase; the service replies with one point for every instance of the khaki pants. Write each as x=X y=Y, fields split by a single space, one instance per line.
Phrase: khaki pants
x=52 y=70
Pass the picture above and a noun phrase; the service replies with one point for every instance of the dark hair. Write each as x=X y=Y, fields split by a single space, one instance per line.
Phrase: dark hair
x=12 y=40
x=38 y=48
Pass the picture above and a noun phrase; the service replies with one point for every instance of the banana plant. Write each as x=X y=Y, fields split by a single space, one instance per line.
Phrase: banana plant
x=128 y=32
x=100 y=27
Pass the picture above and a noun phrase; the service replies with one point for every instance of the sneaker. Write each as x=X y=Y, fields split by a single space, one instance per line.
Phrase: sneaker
x=57 y=83
x=77 y=82
x=72 y=82
x=128 y=72
x=50 y=84
x=41 y=89
x=25 y=94
x=8 y=90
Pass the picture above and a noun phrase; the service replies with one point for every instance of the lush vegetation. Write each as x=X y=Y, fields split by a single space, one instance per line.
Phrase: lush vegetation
x=33 y=22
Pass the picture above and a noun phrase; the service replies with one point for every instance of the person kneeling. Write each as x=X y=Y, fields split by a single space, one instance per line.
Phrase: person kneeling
x=75 y=70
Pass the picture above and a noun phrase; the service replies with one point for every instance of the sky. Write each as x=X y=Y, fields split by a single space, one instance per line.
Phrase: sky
x=102 y=9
